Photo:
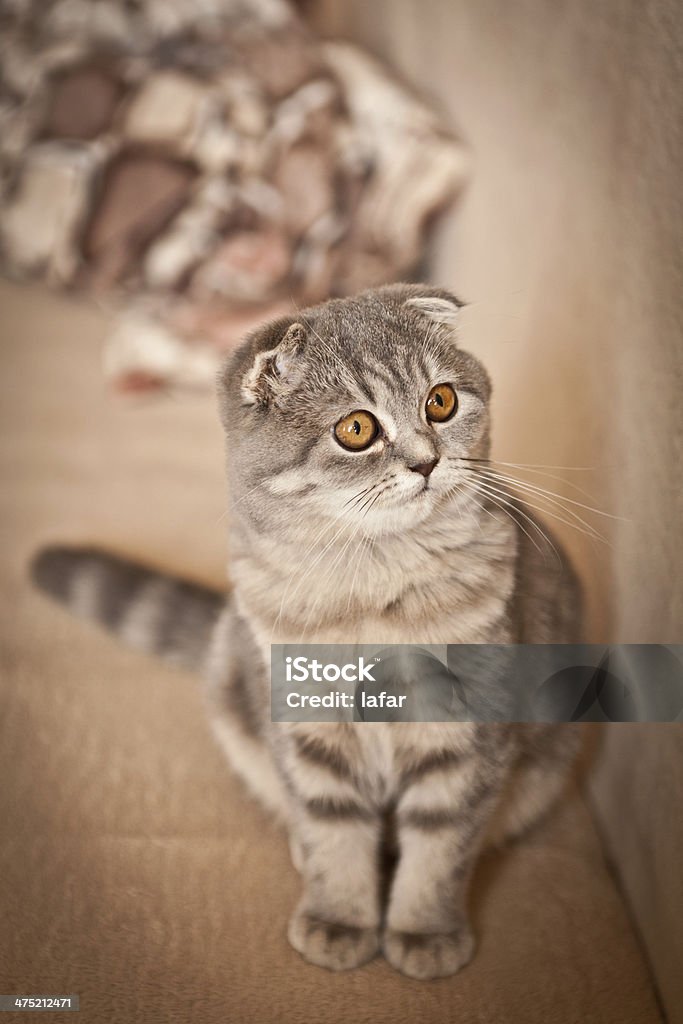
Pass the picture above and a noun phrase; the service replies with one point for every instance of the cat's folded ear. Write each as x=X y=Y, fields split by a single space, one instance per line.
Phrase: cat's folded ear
x=437 y=305
x=277 y=369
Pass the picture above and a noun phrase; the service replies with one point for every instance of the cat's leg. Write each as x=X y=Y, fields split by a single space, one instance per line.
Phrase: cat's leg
x=335 y=836
x=441 y=820
x=540 y=775
x=250 y=760
x=337 y=922
x=237 y=701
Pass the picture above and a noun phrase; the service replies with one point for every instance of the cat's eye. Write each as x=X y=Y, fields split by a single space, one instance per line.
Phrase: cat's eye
x=441 y=403
x=357 y=430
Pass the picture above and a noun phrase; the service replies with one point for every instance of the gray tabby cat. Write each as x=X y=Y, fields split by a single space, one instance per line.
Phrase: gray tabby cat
x=355 y=436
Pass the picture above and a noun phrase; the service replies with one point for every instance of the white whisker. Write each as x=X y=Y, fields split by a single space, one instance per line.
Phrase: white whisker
x=550 y=498
x=543 y=490
x=309 y=568
x=515 y=498
x=497 y=496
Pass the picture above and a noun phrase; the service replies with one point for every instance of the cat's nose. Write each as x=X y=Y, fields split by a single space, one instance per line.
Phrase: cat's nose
x=424 y=468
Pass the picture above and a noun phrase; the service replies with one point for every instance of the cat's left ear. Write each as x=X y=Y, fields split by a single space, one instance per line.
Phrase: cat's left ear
x=441 y=308
x=277 y=369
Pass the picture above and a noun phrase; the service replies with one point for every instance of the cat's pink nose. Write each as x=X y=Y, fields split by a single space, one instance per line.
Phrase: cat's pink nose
x=424 y=468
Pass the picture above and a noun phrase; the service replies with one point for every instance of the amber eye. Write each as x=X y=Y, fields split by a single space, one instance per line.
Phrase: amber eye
x=357 y=430
x=441 y=403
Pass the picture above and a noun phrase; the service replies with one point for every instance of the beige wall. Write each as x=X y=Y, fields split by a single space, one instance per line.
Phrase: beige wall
x=567 y=243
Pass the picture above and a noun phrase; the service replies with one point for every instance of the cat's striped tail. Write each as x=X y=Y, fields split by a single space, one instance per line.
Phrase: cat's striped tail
x=159 y=614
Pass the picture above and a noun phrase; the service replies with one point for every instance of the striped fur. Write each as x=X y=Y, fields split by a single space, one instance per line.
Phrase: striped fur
x=385 y=821
x=151 y=612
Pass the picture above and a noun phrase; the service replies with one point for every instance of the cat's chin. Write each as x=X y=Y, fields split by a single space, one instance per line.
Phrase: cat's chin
x=412 y=511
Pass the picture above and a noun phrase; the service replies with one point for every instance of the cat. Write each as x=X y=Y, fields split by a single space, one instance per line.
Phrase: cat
x=357 y=436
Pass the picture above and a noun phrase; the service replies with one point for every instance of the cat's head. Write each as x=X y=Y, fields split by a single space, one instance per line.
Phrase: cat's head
x=357 y=408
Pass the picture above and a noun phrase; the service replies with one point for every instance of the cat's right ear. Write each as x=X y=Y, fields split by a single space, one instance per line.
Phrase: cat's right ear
x=276 y=370
x=439 y=306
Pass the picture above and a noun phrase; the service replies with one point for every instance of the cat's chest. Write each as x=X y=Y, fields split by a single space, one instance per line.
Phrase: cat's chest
x=384 y=753
x=415 y=596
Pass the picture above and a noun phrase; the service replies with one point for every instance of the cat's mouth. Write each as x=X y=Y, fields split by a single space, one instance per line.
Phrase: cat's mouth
x=424 y=489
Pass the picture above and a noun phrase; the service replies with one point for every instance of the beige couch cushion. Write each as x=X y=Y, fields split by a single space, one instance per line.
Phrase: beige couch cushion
x=133 y=870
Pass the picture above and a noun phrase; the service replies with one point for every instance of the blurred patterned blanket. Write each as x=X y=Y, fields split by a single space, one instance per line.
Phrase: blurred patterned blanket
x=204 y=166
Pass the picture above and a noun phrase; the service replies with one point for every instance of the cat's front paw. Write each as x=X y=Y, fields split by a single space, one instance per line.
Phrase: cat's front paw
x=339 y=947
x=428 y=956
